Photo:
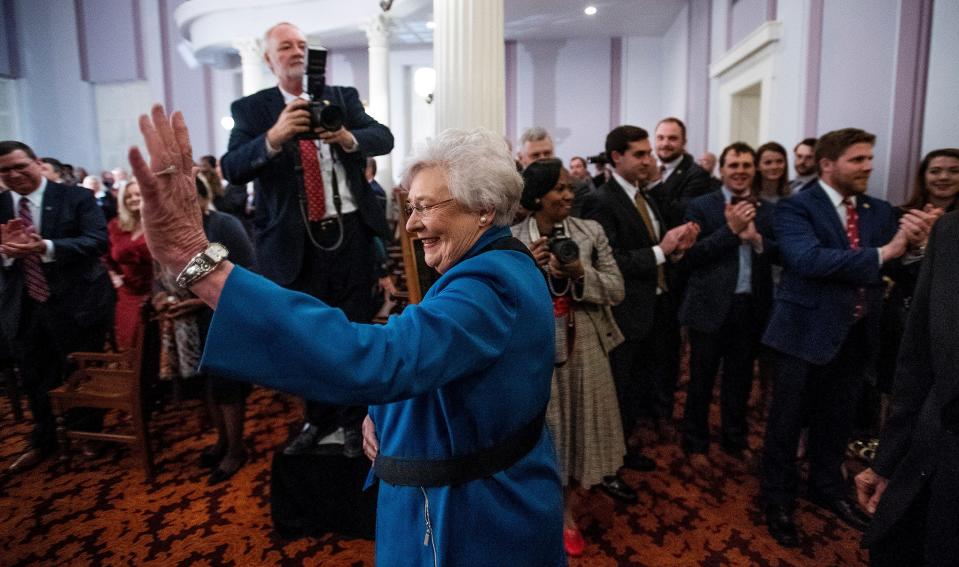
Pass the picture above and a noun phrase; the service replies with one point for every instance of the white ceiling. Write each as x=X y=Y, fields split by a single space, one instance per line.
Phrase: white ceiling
x=529 y=19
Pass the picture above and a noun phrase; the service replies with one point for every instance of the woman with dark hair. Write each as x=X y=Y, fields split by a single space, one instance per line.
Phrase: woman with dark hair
x=772 y=183
x=583 y=412
x=936 y=186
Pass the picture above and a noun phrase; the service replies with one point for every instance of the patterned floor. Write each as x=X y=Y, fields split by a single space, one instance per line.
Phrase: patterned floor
x=102 y=512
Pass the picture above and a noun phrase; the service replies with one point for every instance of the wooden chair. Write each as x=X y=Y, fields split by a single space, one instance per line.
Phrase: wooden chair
x=107 y=381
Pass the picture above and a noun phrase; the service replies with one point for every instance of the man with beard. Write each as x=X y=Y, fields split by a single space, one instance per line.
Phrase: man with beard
x=805 y=164
x=834 y=240
x=678 y=178
x=316 y=215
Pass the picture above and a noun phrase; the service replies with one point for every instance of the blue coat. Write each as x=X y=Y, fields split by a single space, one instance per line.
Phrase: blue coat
x=462 y=370
x=816 y=298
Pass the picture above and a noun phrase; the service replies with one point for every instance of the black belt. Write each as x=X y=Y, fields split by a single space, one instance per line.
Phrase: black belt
x=462 y=469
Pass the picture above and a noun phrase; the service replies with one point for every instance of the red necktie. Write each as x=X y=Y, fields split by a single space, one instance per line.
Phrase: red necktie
x=37 y=287
x=312 y=181
x=852 y=233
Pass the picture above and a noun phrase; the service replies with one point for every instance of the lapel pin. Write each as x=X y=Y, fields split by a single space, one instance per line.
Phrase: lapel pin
x=865 y=205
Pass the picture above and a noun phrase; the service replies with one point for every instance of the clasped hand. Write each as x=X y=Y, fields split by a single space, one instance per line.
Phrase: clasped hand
x=679 y=239
x=20 y=240
x=295 y=119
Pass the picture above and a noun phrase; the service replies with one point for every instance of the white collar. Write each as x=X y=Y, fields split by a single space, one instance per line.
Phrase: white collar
x=36 y=197
x=835 y=196
x=626 y=185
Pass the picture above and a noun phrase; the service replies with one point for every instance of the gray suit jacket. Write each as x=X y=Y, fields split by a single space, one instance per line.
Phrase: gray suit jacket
x=602 y=284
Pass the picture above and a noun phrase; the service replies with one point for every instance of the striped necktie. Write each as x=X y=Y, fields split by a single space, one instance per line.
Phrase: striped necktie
x=37 y=287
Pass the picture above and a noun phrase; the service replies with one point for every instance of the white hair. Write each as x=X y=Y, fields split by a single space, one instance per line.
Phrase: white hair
x=534 y=134
x=479 y=171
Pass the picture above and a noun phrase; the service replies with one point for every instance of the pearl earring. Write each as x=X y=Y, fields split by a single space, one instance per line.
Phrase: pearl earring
x=482 y=220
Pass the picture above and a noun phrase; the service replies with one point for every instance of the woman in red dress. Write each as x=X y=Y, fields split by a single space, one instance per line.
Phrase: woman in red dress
x=130 y=264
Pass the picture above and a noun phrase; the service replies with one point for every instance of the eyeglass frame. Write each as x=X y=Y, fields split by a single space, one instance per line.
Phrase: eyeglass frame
x=423 y=210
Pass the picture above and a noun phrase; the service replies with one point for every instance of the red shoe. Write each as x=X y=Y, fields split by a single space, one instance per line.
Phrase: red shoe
x=573 y=542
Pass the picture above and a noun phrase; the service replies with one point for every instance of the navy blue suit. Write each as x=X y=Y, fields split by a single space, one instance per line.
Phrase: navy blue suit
x=79 y=310
x=343 y=277
x=280 y=230
x=723 y=325
x=823 y=348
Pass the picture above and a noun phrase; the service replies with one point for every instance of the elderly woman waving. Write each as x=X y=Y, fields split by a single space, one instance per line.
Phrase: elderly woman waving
x=458 y=384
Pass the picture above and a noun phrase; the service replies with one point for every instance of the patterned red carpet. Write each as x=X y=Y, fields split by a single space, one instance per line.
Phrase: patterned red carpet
x=103 y=512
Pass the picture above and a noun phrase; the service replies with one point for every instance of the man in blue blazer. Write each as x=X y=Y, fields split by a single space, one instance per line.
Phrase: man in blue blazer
x=322 y=246
x=726 y=303
x=834 y=240
x=56 y=295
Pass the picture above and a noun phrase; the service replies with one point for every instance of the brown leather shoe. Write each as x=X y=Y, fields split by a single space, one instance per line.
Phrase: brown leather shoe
x=27 y=460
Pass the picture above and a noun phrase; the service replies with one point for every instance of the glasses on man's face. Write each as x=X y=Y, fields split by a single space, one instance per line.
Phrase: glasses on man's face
x=423 y=210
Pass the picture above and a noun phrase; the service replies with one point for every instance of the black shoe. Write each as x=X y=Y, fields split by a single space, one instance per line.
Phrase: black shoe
x=219 y=474
x=846 y=511
x=304 y=442
x=211 y=456
x=618 y=489
x=779 y=521
x=639 y=462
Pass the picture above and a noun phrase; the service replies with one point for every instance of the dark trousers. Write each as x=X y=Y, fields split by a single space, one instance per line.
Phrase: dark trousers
x=927 y=533
x=341 y=278
x=43 y=343
x=733 y=345
x=645 y=369
x=828 y=393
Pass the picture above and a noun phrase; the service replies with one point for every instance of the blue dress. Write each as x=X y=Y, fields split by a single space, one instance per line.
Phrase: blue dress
x=467 y=367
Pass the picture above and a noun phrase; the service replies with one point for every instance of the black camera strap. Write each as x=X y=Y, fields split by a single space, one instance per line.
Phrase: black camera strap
x=337 y=199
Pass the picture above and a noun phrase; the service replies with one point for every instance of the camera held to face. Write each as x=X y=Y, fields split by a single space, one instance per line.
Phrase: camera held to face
x=562 y=246
x=323 y=114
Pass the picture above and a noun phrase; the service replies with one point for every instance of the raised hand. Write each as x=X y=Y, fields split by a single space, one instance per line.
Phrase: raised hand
x=171 y=213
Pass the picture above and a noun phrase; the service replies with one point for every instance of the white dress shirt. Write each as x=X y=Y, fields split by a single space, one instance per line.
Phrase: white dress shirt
x=327 y=166
x=630 y=190
x=35 y=203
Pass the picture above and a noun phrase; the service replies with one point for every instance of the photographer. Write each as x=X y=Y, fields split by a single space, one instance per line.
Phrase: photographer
x=316 y=215
x=584 y=282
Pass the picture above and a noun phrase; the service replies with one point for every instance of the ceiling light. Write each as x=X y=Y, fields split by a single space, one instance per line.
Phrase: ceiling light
x=226 y=122
x=590 y=10
x=430 y=25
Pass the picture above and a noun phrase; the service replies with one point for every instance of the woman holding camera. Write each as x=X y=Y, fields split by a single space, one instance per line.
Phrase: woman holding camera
x=584 y=282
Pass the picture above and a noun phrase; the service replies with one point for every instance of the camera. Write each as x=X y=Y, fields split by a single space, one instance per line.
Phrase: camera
x=562 y=246
x=599 y=158
x=323 y=114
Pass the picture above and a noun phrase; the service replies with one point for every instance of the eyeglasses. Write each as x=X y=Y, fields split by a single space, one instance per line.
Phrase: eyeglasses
x=423 y=210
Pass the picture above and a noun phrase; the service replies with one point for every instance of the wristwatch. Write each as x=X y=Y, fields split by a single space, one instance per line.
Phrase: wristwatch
x=202 y=264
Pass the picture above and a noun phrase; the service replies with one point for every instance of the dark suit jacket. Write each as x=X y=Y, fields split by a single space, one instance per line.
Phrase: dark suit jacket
x=687 y=182
x=816 y=298
x=713 y=263
x=632 y=248
x=80 y=290
x=915 y=446
x=279 y=225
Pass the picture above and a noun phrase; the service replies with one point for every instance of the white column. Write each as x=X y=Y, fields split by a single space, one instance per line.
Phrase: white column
x=251 y=63
x=468 y=54
x=378 y=37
